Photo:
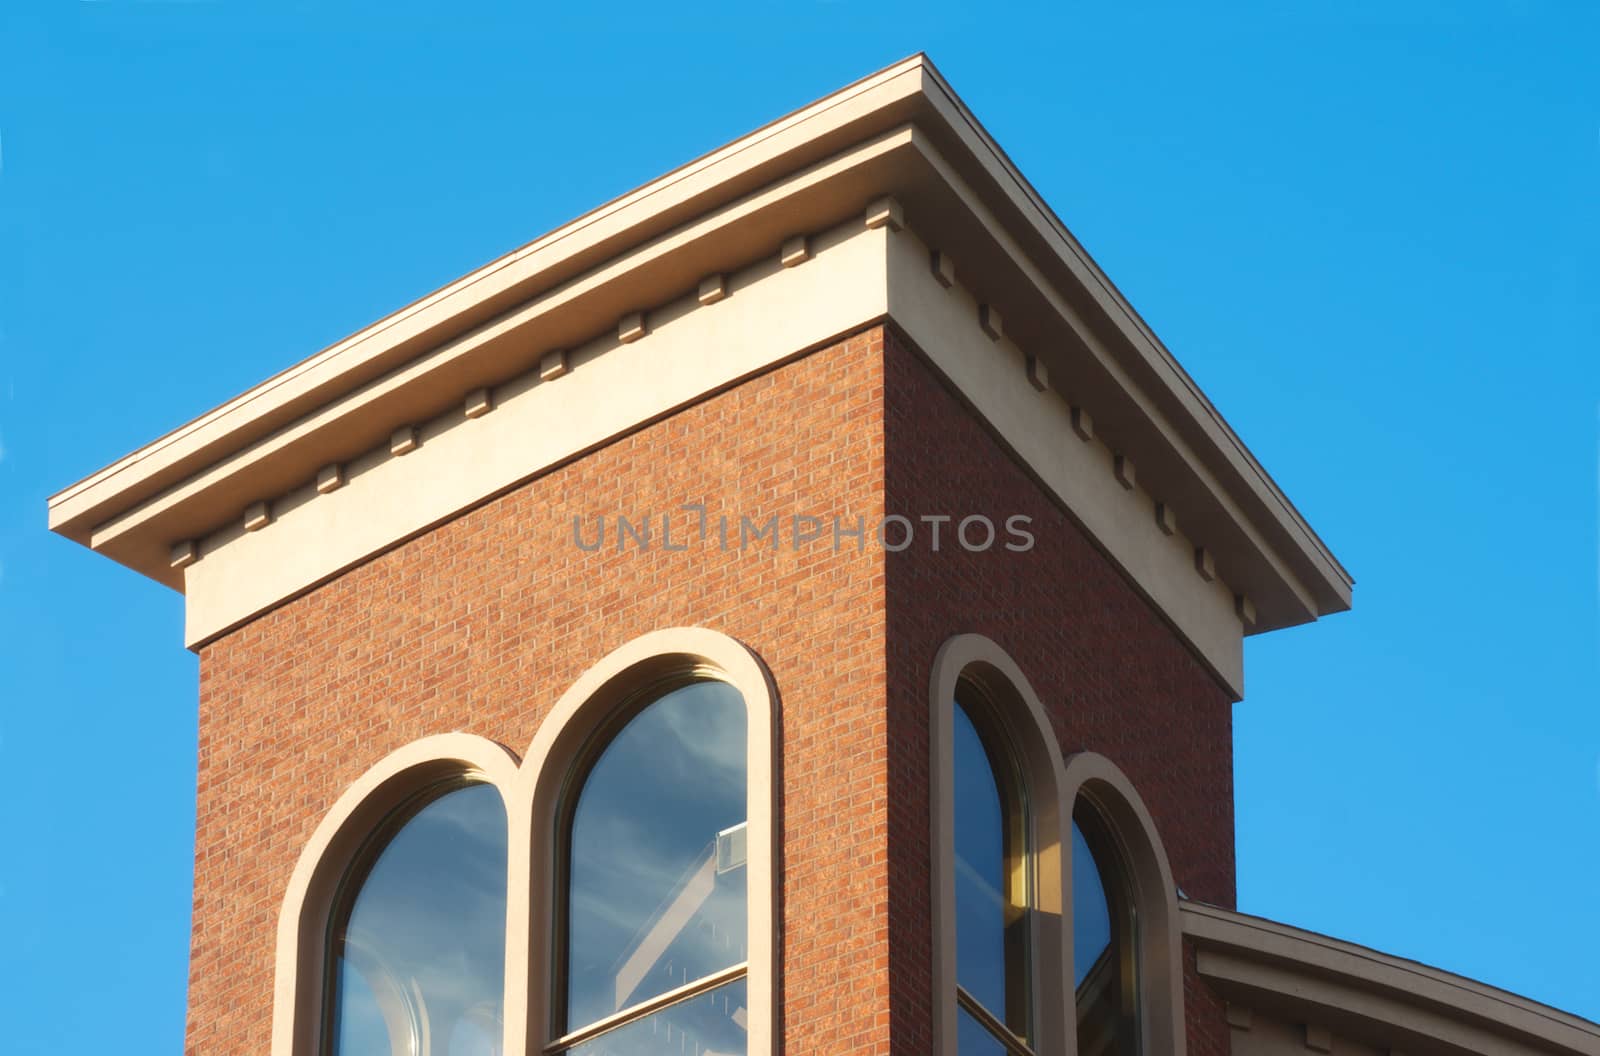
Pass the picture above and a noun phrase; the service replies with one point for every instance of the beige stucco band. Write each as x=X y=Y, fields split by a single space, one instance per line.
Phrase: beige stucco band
x=304 y=919
x=531 y=793
x=1053 y=786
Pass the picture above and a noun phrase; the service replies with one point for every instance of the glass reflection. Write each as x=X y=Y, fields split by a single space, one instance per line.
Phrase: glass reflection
x=420 y=951
x=1104 y=968
x=656 y=873
x=990 y=880
x=711 y=1024
x=1091 y=917
x=973 y=1039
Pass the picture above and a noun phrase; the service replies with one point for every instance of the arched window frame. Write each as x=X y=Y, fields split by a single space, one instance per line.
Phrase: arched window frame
x=300 y=986
x=1054 y=785
x=1126 y=821
x=531 y=793
x=589 y=707
x=1012 y=707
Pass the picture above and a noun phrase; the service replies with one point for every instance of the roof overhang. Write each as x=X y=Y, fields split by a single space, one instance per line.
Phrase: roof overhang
x=1299 y=977
x=901 y=132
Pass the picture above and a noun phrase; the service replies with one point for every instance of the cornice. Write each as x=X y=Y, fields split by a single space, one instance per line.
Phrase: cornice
x=901 y=133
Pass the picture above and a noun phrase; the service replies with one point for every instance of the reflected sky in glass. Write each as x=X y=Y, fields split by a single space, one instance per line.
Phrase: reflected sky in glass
x=649 y=908
x=980 y=871
x=712 y=1024
x=972 y=1039
x=422 y=949
x=1091 y=916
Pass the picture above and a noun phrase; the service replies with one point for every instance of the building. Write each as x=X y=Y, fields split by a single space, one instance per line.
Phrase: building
x=795 y=607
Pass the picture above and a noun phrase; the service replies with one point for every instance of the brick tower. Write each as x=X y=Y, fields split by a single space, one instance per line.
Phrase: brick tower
x=839 y=416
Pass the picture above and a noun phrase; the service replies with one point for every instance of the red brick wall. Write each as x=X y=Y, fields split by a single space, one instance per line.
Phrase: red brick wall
x=1113 y=676
x=481 y=624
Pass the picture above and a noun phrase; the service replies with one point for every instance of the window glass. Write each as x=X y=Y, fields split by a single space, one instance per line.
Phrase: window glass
x=420 y=950
x=1091 y=917
x=990 y=877
x=980 y=870
x=972 y=1039
x=656 y=862
x=712 y=1024
x=1105 y=967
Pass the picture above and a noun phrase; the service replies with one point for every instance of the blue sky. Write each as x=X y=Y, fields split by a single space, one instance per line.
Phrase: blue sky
x=1368 y=229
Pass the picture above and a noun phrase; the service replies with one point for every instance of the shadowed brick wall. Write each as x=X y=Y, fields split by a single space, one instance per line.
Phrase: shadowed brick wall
x=1113 y=676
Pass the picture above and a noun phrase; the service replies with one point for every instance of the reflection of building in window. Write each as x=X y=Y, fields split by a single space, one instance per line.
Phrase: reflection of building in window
x=693 y=918
x=657 y=945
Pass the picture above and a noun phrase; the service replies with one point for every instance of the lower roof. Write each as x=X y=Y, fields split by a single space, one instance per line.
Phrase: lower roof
x=1269 y=969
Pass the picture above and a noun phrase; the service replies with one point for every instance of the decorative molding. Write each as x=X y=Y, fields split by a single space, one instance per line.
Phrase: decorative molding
x=1038 y=373
x=1122 y=469
x=1082 y=424
x=404 y=440
x=796 y=250
x=257 y=516
x=990 y=322
x=631 y=328
x=185 y=553
x=553 y=365
x=1166 y=520
x=886 y=212
x=902 y=134
x=713 y=288
x=532 y=428
x=478 y=403
x=330 y=478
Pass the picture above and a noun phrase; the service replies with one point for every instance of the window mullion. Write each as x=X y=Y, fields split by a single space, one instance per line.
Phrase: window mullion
x=1014 y=1045
x=704 y=984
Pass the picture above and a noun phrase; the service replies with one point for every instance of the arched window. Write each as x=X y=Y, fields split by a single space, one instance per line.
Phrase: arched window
x=416 y=951
x=1105 y=970
x=616 y=888
x=993 y=884
x=1044 y=869
x=654 y=944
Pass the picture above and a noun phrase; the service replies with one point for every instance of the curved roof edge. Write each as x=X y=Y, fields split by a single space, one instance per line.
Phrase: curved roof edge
x=1323 y=984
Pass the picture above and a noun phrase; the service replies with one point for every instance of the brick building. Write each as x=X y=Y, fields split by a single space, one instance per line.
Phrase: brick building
x=797 y=606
